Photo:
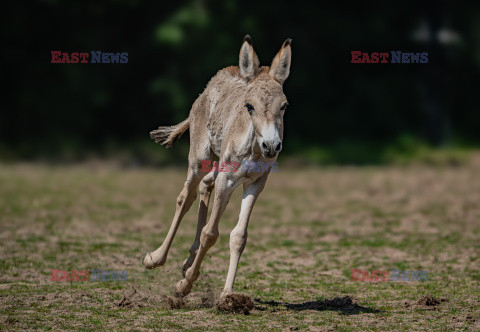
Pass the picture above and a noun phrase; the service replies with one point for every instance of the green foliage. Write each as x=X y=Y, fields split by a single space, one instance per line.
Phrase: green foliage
x=339 y=112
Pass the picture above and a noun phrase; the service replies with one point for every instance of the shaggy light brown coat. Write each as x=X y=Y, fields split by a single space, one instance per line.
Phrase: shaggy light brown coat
x=237 y=118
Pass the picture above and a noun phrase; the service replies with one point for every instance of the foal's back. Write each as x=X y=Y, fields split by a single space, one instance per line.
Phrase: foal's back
x=218 y=107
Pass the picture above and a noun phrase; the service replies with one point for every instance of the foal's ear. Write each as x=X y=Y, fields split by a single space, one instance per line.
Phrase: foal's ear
x=248 y=60
x=280 y=68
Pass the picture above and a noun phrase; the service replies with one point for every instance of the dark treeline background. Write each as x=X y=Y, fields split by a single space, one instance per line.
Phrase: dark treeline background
x=339 y=112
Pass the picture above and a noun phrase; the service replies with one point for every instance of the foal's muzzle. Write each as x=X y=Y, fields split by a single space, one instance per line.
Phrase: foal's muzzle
x=270 y=149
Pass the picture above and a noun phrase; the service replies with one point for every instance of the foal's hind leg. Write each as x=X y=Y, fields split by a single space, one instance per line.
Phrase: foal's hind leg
x=184 y=202
x=209 y=234
x=205 y=189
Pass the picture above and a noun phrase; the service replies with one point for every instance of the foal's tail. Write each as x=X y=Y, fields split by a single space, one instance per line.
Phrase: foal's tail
x=168 y=135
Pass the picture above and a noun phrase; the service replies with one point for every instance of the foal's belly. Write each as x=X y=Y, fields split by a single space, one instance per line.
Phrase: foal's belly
x=215 y=143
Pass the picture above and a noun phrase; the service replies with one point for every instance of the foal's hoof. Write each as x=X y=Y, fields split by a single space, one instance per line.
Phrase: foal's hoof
x=149 y=263
x=183 y=288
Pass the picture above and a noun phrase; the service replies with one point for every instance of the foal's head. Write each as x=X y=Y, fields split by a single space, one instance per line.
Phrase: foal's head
x=265 y=101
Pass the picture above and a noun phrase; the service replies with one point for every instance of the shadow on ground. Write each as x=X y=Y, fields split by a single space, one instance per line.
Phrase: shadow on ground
x=347 y=305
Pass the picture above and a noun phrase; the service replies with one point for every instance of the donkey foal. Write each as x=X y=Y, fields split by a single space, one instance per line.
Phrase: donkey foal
x=238 y=117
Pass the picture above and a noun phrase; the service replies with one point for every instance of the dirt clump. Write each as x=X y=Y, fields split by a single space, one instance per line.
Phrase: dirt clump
x=174 y=302
x=428 y=301
x=235 y=303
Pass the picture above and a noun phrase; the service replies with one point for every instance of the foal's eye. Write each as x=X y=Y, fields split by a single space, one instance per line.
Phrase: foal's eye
x=284 y=107
x=249 y=108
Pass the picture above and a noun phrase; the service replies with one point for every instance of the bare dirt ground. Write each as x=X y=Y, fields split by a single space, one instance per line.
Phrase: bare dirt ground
x=309 y=228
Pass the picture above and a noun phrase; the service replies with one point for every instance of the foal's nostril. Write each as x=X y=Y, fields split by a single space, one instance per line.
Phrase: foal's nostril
x=279 y=147
x=264 y=146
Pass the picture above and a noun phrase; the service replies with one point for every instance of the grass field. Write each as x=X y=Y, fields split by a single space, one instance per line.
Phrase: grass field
x=309 y=228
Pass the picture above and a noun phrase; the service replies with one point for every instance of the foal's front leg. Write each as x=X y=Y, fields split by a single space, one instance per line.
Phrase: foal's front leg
x=238 y=236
